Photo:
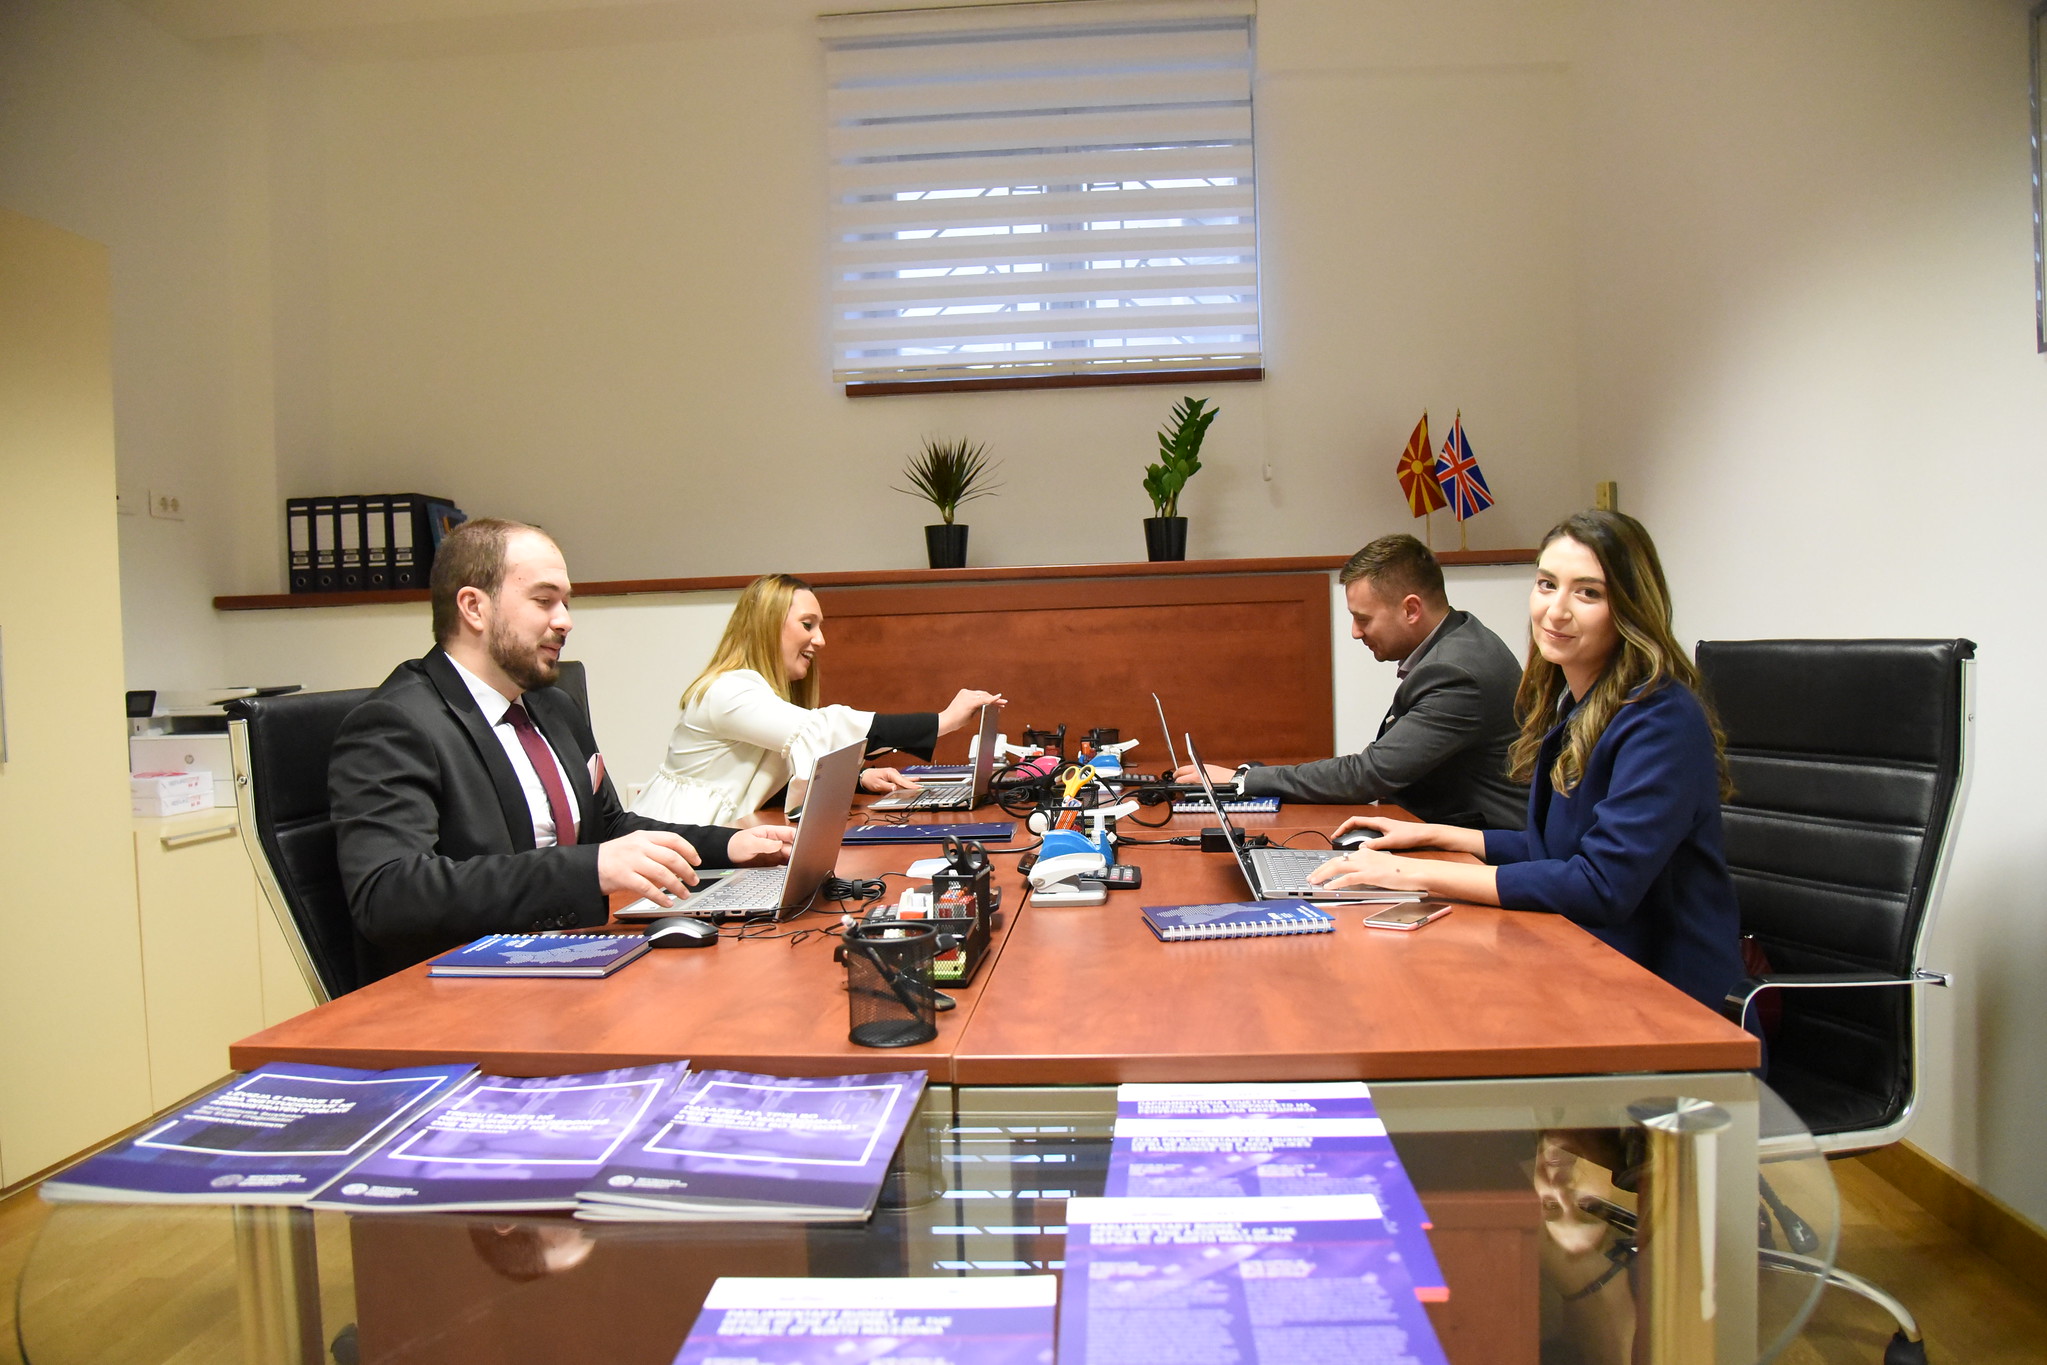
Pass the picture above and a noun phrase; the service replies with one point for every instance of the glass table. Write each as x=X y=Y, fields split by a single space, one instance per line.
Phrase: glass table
x=1570 y=1218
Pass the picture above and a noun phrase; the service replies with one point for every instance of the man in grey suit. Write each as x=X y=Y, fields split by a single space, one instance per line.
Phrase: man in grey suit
x=1442 y=749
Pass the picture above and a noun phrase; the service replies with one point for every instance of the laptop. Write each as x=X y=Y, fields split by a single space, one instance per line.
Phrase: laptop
x=954 y=795
x=780 y=893
x=1281 y=874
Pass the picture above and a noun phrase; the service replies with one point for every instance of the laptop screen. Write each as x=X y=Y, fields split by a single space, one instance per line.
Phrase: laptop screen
x=1222 y=816
x=984 y=755
x=822 y=826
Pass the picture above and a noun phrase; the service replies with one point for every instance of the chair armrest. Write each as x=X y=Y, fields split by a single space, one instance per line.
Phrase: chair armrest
x=1747 y=989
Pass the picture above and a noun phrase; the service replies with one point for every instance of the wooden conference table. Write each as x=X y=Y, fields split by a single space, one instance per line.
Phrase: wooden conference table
x=1076 y=996
x=1479 y=1031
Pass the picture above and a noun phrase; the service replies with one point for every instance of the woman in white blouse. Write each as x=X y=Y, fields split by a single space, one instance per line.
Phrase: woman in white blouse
x=751 y=723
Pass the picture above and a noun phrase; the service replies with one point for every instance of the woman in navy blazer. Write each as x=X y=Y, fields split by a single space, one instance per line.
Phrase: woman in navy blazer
x=1626 y=770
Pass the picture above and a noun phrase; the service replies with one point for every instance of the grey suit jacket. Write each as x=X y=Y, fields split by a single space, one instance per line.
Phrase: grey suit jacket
x=433 y=833
x=1442 y=749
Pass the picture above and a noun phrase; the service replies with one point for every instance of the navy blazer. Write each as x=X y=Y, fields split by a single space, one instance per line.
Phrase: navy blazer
x=1635 y=854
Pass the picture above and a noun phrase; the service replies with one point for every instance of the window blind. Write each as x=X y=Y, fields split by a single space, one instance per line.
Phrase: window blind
x=1042 y=189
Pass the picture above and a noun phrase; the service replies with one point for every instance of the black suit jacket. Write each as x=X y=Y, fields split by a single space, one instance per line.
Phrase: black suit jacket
x=1442 y=749
x=432 y=830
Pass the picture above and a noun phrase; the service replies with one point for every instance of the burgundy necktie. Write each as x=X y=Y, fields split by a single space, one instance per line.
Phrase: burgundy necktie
x=542 y=759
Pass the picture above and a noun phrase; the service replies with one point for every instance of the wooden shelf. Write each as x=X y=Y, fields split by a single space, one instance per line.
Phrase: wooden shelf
x=874 y=578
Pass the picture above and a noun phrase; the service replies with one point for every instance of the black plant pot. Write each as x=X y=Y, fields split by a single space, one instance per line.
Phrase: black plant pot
x=946 y=545
x=1165 y=538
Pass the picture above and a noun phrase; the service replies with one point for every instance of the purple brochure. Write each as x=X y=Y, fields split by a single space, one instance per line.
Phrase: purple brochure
x=273 y=1136
x=983 y=1320
x=1258 y=1281
x=1269 y=1138
x=730 y=1144
x=507 y=1142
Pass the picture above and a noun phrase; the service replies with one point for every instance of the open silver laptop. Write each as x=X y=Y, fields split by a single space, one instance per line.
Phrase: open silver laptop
x=951 y=795
x=1281 y=873
x=781 y=892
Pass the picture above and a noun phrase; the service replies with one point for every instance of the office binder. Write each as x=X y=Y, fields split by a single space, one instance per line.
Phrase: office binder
x=298 y=525
x=348 y=521
x=326 y=545
x=376 y=542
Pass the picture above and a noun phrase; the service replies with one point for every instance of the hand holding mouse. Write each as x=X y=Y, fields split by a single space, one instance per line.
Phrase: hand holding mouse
x=647 y=862
x=1377 y=831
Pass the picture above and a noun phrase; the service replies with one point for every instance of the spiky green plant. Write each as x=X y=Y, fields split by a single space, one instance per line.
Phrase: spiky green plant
x=1179 y=455
x=948 y=473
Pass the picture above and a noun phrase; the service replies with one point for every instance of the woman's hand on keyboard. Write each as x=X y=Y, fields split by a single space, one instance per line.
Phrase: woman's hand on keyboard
x=883 y=781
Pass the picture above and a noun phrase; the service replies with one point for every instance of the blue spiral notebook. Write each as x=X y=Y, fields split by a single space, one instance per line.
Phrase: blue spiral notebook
x=993 y=832
x=1236 y=919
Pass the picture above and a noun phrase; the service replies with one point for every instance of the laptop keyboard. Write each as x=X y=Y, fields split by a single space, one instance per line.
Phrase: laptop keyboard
x=1287 y=869
x=756 y=888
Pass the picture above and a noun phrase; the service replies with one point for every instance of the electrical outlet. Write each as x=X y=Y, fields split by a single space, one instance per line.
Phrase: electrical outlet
x=165 y=506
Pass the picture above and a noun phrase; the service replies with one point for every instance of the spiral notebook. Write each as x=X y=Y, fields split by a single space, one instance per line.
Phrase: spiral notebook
x=1236 y=919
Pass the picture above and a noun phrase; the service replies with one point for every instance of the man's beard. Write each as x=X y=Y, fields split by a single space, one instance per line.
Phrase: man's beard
x=524 y=665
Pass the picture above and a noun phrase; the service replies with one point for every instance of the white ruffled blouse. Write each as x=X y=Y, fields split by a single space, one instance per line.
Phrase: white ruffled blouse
x=737 y=745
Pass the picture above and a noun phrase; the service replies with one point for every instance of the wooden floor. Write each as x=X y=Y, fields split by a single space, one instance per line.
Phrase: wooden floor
x=1972 y=1311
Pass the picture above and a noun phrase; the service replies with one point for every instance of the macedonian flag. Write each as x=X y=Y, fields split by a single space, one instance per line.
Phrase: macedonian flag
x=1418 y=472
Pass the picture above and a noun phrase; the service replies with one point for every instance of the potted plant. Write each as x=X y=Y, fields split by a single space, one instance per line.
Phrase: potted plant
x=1165 y=531
x=946 y=474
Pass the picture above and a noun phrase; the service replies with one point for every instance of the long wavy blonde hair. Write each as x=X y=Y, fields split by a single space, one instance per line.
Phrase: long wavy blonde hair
x=753 y=639
x=1647 y=657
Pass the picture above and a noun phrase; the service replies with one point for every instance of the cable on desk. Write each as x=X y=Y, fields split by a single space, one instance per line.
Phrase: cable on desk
x=1288 y=842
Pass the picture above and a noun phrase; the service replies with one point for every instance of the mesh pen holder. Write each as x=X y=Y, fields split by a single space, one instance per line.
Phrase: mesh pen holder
x=888 y=983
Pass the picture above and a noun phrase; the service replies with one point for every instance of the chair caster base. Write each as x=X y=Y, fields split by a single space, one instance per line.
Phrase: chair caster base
x=1902 y=1350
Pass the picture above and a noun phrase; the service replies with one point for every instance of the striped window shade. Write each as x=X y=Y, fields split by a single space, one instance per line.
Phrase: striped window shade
x=1052 y=189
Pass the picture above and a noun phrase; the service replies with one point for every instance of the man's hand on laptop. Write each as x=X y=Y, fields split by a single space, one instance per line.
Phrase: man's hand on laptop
x=1186 y=772
x=882 y=781
x=650 y=863
x=760 y=845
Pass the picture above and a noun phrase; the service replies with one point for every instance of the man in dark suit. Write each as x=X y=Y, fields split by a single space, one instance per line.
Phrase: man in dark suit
x=468 y=793
x=1442 y=748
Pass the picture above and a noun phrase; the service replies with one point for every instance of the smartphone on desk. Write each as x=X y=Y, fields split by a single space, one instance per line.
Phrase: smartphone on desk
x=1407 y=915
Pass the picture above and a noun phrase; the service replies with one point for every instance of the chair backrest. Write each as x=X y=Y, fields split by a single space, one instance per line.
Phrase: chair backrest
x=1849 y=760
x=281 y=747
x=576 y=682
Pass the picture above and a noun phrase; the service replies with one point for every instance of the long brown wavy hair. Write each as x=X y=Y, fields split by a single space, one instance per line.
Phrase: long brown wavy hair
x=1647 y=657
x=753 y=639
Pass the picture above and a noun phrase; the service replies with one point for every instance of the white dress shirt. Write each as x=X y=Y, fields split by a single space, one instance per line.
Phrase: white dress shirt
x=494 y=704
x=737 y=745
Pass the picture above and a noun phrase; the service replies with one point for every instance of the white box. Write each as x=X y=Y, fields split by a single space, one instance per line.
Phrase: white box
x=187 y=754
x=160 y=793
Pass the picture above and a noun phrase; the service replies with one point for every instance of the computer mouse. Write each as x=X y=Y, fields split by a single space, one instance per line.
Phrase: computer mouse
x=1344 y=843
x=681 y=931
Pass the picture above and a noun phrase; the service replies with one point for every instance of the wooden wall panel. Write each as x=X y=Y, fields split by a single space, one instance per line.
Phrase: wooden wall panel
x=1240 y=662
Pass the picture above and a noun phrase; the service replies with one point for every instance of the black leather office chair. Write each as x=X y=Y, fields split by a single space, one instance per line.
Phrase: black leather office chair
x=1850 y=761
x=281 y=747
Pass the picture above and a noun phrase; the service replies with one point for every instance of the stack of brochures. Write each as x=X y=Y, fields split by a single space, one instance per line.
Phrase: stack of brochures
x=986 y=1320
x=727 y=1145
x=641 y=1143
x=277 y=1135
x=1274 y=1222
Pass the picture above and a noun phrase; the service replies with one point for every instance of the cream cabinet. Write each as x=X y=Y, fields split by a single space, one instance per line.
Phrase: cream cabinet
x=214 y=963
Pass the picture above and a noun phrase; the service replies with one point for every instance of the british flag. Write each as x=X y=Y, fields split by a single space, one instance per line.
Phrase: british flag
x=1458 y=472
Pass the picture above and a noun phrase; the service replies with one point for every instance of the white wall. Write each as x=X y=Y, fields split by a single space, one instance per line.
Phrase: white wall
x=1809 y=357
x=582 y=285
x=116 y=131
